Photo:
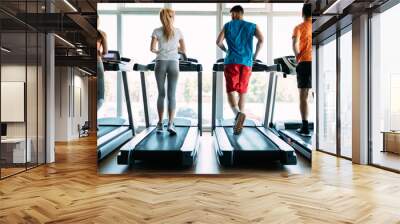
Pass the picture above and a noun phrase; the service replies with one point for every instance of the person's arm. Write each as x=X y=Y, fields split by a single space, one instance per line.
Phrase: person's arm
x=182 y=46
x=153 y=45
x=295 y=44
x=260 y=41
x=220 y=40
x=104 y=42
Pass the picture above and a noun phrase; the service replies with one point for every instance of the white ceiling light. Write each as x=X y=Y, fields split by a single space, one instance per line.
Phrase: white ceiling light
x=70 y=5
x=5 y=50
x=65 y=41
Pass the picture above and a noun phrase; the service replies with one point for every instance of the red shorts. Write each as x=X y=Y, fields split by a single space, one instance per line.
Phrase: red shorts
x=237 y=77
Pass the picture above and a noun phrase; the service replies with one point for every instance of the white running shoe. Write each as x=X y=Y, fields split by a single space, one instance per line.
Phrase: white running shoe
x=171 y=129
x=159 y=127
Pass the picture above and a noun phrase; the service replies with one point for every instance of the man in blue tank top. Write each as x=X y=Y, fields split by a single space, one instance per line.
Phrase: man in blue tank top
x=238 y=62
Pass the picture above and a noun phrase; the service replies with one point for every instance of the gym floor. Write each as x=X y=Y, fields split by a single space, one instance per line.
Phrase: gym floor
x=206 y=164
x=71 y=191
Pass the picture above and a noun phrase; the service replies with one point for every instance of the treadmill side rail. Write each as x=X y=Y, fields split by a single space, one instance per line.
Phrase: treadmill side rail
x=223 y=147
x=288 y=156
x=124 y=156
x=190 y=146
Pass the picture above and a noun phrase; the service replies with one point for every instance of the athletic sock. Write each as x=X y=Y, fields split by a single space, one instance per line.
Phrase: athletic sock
x=235 y=110
x=305 y=124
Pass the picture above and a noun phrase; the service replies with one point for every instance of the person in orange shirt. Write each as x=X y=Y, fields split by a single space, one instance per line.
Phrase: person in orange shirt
x=302 y=47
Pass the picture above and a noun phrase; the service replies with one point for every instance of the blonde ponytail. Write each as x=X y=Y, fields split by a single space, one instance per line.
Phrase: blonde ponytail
x=166 y=17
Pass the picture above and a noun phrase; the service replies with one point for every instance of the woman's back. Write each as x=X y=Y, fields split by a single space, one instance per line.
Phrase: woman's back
x=168 y=48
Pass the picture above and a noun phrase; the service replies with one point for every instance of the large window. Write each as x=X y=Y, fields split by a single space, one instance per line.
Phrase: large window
x=287 y=94
x=137 y=46
x=22 y=87
x=327 y=96
x=385 y=87
x=108 y=24
x=137 y=23
x=346 y=94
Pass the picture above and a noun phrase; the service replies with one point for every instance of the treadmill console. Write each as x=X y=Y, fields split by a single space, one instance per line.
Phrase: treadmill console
x=112 y=61
x=258 y=66
x=288 y=65
x=185 y=65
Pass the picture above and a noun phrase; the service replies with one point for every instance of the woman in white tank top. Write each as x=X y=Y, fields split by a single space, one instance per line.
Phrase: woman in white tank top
x=166 y=42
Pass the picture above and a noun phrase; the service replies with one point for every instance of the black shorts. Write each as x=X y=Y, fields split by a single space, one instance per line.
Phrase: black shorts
x=303 y=71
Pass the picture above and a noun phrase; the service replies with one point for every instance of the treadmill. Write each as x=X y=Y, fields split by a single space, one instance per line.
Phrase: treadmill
x=151 y=146
x=256 y=142
x=115 y=131
x=287 y=129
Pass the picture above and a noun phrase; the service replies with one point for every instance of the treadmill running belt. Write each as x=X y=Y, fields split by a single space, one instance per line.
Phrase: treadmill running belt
x=164 y=141
x=251 y=139
x=294 y=135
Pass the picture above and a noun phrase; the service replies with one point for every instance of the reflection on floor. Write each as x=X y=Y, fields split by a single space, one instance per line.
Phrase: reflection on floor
x=387 y=159
x=5 y=172
x=206 y=164
x=11 y=169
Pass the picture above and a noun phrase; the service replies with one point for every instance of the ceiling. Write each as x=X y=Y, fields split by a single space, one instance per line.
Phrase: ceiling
x=333 y=15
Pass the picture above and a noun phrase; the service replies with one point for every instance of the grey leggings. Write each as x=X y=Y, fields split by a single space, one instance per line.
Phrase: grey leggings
x=170 y=70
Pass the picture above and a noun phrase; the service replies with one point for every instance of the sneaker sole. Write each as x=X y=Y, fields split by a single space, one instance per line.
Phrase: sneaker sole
x=237 y=129
x=171 y=132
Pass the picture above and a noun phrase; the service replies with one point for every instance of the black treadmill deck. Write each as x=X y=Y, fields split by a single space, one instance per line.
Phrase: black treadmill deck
x=300 y=143
x=164 y=148
x=251 y=145
x=163 y=141
x=250 y=139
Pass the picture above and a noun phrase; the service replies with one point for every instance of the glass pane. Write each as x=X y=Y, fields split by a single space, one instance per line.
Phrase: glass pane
x=144 y=5
x=194 y=6
x=13 y=86
x=283 y=27
x=109 y=107
x=287 y=7
x=246 y=5
x=385 y=85
x=107 y=6
x=346 y=94
x=258 y=81
x=327 y=97
x=41 y=99
x=108 y=24
x=206 y=55
x=32 y=100
x=137 y=47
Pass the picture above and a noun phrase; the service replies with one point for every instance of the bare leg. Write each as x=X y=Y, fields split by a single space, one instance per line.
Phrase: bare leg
x=303 y=93
x=233 y=102
x=242 y=101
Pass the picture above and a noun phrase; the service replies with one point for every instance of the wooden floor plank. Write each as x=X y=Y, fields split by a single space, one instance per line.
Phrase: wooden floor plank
x=70 y=191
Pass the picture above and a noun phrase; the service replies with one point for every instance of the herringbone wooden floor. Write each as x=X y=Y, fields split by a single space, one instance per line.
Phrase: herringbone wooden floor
x=70 y=191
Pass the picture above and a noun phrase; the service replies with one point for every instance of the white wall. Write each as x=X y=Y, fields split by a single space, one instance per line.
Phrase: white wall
x=69 y=112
